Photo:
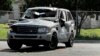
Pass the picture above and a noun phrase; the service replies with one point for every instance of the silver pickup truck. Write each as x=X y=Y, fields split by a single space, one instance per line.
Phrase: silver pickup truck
x=46 y=26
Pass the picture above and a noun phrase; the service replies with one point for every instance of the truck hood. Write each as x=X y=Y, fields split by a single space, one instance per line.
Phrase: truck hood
x=37 y=22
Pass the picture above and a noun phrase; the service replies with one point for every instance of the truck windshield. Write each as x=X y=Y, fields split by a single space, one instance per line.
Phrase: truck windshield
x=36 y=13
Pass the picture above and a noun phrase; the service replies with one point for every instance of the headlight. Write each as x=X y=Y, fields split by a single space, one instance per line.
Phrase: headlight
x=43 y=30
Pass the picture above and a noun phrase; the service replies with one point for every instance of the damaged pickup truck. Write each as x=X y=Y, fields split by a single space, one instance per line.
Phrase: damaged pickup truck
x=45 y=26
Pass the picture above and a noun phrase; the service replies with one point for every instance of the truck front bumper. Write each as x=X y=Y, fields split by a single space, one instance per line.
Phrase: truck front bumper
x=33 y=37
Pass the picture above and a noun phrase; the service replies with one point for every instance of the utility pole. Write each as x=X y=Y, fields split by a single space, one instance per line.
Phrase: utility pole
x=76 y=17
x=50 y=5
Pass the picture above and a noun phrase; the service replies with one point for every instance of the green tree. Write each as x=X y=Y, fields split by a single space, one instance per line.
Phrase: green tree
x=34 y=3
x=5 y=4
x=88 y=5
x=53 y=3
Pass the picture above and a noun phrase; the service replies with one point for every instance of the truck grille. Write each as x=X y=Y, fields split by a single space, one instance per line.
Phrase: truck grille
x=25 y=29
x=25 y=37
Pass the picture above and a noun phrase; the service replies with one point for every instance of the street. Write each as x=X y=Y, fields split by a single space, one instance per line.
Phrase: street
x=79 y=49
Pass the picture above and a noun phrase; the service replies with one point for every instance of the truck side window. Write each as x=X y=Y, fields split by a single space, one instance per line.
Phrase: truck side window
x=66 y=16
x=61 y=20
x=69 y=16
x=61 y=15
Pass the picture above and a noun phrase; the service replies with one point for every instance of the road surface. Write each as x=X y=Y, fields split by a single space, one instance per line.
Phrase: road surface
x=79 y=49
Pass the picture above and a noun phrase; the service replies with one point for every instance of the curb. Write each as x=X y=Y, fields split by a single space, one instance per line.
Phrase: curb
x=3 y=39
x=87 y=41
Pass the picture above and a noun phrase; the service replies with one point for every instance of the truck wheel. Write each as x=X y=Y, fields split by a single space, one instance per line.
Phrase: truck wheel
x=53 y=43
x=70 y=41
x=35 y=46
x=14 y=44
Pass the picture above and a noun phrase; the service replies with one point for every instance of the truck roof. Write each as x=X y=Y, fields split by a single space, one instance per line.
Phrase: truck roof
x=51 y=8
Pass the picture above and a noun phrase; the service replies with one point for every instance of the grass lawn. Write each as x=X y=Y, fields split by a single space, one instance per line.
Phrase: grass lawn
x=3 y=31
x=89 y=34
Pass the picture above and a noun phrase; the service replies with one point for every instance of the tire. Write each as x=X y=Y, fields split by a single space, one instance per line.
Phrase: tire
x=53 y=43
x=35 y=46
x=14 y=44
x=70 y=41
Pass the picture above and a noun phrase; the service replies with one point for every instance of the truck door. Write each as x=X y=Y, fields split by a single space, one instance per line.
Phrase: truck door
x=62 y=32
x=69 y=23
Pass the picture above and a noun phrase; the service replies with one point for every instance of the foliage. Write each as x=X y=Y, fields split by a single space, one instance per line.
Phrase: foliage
x=53 y=3
x=90 y=5
x=5 y=4
x=80 y=22
x=69 y=4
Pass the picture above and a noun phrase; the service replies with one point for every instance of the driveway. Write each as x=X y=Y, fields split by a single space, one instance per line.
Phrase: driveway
x=79 y=49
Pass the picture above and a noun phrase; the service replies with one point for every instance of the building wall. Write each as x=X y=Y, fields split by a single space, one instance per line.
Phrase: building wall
x=91 y=22
x=98 y=21
x=87 y=23
x=4 y=18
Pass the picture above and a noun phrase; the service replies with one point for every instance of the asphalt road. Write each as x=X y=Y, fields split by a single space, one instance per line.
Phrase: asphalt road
x=79 y=49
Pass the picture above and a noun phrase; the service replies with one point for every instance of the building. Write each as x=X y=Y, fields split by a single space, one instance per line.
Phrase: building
x=91 y=22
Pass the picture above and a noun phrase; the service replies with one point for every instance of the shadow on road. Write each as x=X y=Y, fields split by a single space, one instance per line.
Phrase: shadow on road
x=31 y=49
